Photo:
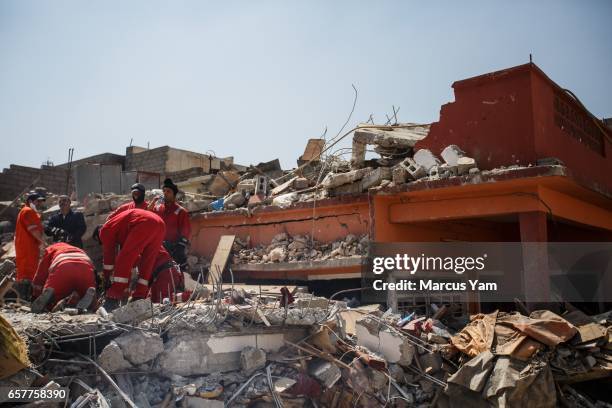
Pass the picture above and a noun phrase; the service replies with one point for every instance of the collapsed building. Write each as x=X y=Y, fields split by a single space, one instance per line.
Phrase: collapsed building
x=515 y=158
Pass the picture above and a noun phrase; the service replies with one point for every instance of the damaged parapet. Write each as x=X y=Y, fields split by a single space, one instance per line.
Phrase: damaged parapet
x=389 y=141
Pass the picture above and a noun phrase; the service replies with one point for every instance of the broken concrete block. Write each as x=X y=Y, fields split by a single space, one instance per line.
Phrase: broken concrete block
x=300 y=183
x=474 y=170
x=358 y=154
x=139 y=347
x=333 y=180
x=285 y=200
x=324 y=371
x=246 y=186
x=464 y=164
x=97 y=206
x=380 y=339
x=416 y=171
x=237 y=199
x=278 y=254
x=451 y=154
x=111 y=359
x=261 y=184
x=399 y=175
x=375 y=177
x=445 y=170
x=434 y=171
x=251 y=360
x=134 y=312
x=425 y=158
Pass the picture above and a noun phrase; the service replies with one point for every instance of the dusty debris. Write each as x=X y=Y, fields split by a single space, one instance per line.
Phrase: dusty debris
x=252 y=359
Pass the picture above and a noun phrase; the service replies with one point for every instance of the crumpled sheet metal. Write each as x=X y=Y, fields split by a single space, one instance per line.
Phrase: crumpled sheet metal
x=477 y=336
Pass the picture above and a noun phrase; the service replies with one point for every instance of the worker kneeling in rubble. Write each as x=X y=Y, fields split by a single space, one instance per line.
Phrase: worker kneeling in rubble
x=167 y=281
x=139 y=234
x=63 y=269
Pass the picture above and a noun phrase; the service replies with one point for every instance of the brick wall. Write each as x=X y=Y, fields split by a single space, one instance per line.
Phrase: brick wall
x=153 y=160
x=16 y=178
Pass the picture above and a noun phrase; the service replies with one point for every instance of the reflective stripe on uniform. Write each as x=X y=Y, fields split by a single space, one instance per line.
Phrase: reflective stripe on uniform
x=143 y=282
x=108 y=267
x=69 y=256
x=119 y=280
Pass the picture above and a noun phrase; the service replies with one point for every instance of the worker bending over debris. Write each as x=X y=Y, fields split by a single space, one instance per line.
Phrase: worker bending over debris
x=29 y=243
x=176 y=218
x=139 y=234
x=67 y=226
x=167 y=280
x=63 y=269
x=138 y=201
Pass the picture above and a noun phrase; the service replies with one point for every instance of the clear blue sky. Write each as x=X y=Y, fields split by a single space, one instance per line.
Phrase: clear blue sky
x=256 y=79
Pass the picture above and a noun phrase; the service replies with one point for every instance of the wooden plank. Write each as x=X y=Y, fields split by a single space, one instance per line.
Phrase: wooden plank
x=222 y=253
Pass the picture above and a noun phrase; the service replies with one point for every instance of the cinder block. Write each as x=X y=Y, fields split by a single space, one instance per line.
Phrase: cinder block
x=426 y=159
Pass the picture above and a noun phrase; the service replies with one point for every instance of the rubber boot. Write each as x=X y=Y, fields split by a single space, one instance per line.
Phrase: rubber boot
x=87 y=300
x=41 y=302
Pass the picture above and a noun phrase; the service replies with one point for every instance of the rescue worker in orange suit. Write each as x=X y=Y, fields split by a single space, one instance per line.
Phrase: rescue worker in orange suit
x=138 y=201
x=29 y=243
x=63 y=269
x=139 y=234
x=176 y=218
x=167 y=280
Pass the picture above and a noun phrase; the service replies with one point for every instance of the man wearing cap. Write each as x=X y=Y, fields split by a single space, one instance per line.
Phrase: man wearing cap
x=67 y=226
x=138 y=201
x=29 y=242
x=139 y=234
x=176 y=218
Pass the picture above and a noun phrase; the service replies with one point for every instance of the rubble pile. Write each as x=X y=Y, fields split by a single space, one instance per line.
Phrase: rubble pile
x=285 y=248
x=241 y=347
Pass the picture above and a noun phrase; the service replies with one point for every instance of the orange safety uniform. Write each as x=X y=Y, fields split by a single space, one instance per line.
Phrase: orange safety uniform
x=65 y=268
x=128 y=206
x=176 y=219
x=139 y=233
x=167 y=277
x=26 y=246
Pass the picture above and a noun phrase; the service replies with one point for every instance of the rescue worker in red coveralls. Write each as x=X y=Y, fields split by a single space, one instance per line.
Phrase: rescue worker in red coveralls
x=167 y=280
x=176 y=218
x=29 y=243
x=138 y=201
x=63 y=269
x=139 y=233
